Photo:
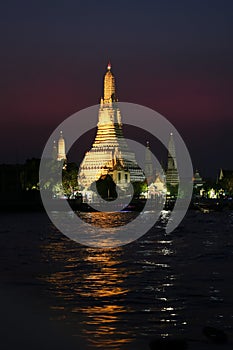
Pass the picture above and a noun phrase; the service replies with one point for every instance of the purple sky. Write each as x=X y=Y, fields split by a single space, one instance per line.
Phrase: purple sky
x=173 y=56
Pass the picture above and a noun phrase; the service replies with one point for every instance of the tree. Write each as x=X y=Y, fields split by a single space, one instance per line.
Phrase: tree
x=106 y=187
x=172 y=190
x=29 y=176
x=69 y=179
x=139 y=187
x=227 y=185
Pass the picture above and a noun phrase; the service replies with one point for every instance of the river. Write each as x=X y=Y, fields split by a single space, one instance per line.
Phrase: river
x=120 y=298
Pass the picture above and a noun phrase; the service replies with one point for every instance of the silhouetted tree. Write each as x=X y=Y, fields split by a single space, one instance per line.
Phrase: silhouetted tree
x=69 y=179
x=29 y=176
x=139 y=187
x=106 y=187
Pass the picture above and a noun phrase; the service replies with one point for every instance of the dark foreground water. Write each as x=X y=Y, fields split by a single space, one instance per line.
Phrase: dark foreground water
x=160 y=285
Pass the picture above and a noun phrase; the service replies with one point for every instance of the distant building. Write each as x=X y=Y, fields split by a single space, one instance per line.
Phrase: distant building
x=225 y=174
x=109 y=153
x=157 y=187
x=198 y=185
x=197 y=181
x=120 y=175
x=225 y=182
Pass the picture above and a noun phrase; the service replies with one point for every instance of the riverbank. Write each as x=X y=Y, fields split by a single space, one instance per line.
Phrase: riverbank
x=34 y=203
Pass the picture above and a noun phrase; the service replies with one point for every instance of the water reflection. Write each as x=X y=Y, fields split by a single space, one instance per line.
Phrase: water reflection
x=104 y=284
x=91 y=283
x=110 y=219
x=112 y=297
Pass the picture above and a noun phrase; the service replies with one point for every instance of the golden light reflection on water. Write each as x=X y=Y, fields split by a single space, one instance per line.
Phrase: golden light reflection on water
x=102 y=293
x=106 y=283
x=94 y=285
x=108 y=220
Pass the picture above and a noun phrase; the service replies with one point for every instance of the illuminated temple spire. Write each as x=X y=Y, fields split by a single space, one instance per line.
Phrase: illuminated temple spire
x=61 y=154
x=109 y=86
x=109 y=151
x=148 y=163
x=172 y=177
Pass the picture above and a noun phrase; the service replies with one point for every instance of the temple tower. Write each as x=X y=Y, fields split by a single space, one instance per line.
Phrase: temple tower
x=172 y=177
x=148 y=164
x=109 y=86
x=109 y=152
x=54 y=152
x=61 y=149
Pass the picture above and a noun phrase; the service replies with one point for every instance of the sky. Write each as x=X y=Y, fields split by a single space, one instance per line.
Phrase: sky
x=172 y=56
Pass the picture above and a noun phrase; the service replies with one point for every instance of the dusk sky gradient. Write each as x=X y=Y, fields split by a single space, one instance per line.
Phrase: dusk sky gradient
x=175 y=57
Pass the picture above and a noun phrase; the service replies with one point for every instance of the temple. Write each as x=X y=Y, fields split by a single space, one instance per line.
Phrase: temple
x=172 y=177
x=61 y=151
x=109 y=153
x=149 y=171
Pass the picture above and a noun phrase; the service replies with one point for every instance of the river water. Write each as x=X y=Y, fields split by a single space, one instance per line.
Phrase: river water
x=160 y=285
